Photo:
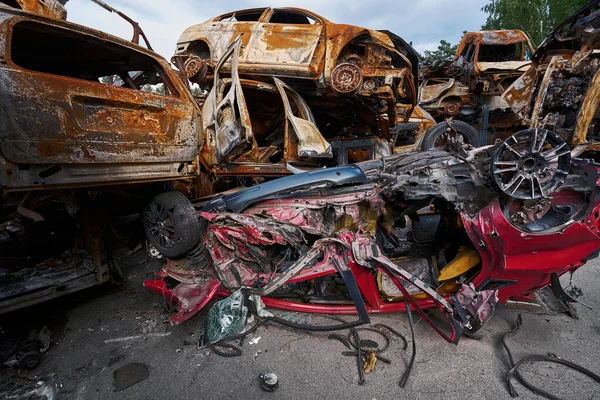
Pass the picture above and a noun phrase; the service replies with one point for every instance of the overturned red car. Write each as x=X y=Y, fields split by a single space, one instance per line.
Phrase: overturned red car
x=461 y=231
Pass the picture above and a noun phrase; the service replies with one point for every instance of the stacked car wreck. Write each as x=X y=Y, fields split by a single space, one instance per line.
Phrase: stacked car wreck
x=358 y=221
x=469 y=88
x=86 y=135
x=78 y=135
x=561 y=91
x=460 y=230
x=348 y=93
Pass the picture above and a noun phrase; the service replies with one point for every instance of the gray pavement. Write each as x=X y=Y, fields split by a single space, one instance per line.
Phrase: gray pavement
x=308 y=365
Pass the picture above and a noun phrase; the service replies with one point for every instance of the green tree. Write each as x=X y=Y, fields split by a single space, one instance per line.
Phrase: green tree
x=444 y=52
x=536 y=17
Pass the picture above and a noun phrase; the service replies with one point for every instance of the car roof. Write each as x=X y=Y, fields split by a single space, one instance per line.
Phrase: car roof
x=263 y=9
x=496 y=37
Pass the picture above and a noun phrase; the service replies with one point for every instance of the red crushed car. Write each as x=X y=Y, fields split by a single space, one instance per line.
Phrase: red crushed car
x=431 y=228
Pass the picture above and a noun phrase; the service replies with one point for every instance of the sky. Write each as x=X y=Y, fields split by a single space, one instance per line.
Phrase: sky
x=422 y=22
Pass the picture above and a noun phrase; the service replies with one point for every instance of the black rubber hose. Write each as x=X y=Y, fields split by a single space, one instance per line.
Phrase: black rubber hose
x=537 y=358
x=359 y=357
x=553 y=359
x=385 y=337
x=235 y=350
x=404 y=378
x=512 y=332
x=395 y=332
x=341 y=338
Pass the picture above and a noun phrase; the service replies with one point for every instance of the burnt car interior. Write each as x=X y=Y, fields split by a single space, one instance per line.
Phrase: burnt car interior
x=501 y=52
x=272 y=133
x=291 y=17
x=53 y=50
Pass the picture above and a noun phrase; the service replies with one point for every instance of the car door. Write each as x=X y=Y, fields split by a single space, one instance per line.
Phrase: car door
x=302 y=138
x=57 y=109
x=226 y=121
x=296 y=47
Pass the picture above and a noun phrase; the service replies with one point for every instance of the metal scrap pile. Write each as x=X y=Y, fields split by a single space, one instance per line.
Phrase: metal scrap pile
x=469 y=88
x=561 y=91
x=357 y=222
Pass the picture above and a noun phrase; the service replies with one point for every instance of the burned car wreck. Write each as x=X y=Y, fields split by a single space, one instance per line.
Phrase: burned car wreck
x=469 y=89
x=351 y=91
x=561 y=91
x=81 y=142
x=85 y=141
x=433 y=229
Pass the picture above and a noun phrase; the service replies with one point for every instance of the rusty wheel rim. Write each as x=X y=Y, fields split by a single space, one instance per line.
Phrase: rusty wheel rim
x=346 y=78
x=161 y=229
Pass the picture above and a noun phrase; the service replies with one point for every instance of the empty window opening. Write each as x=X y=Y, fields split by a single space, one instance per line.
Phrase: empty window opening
x=43 y=48
x=241 y=16
x=500 y=52
x=12 y=3
x=290 y=17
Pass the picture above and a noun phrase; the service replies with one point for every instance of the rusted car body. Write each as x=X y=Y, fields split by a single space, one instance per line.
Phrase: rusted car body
x=359 y=84
x=470 y=88
x=257 y=128
x=63 y=127
x=78 y=126
x=46 y=8
x=562 y=89
x=296 y=43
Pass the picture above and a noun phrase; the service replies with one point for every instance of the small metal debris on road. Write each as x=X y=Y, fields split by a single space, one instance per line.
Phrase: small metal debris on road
x=127 y=338
x=255 y=340
x=269 y=381
x=16 y=386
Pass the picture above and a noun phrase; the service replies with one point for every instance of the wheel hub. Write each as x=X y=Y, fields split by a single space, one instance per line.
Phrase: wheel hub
x=195 y=69
x=531 y=164
x=162 y=226
x=346 y=78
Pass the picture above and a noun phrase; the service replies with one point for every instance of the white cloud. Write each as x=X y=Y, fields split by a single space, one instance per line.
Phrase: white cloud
x=421 y=47
x=422 y=22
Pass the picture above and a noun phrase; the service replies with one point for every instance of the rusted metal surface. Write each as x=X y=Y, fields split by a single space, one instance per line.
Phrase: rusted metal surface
x=62 y=127
x=302 y=139
x=561 y=91
x=229 y=123
x=346 y=78
x=495 y=36
x=46 y=8
x=264 y=120
x=589 y=111
x=412 y=142
x=137 y=30
x=520 y=92
x=485 y=65
x=357 y=82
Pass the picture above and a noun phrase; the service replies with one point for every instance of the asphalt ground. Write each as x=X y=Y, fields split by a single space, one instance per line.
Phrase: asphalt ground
x=308 y=365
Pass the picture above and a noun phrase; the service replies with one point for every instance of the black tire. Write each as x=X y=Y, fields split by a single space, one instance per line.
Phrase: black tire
x=29 y=360
x=172 y=224
x=469 y=134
